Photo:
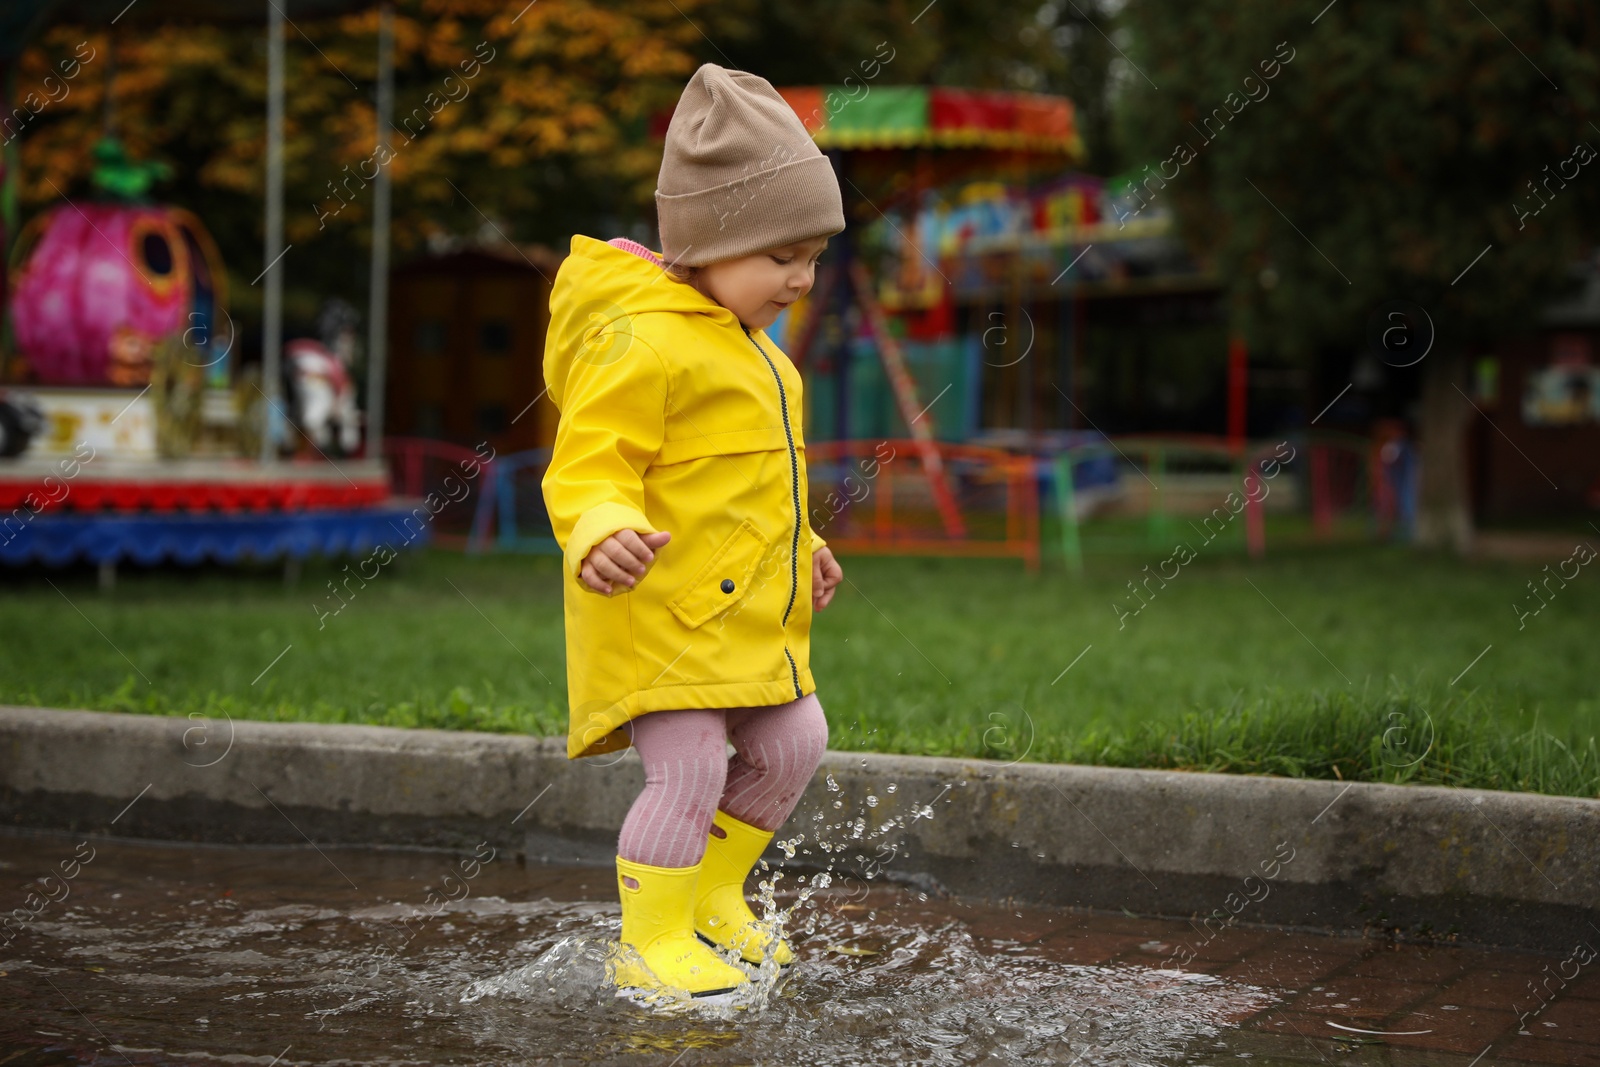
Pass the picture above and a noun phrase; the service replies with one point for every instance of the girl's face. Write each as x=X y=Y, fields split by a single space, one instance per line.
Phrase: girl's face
x=758 y=286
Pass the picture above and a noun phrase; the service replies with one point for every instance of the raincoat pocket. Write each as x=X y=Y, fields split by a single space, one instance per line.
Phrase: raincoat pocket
x=725 y=578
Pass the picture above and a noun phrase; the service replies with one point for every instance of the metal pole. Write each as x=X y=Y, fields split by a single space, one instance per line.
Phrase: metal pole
x=10 y=168
x=1238 y=391
x=272 y=304
x=841 y=297
x=378 y=309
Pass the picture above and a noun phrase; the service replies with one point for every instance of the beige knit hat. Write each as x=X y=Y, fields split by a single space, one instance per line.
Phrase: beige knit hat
x=740 y=173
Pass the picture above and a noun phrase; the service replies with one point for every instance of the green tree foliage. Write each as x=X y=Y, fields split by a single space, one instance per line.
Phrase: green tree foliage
x=1399 y=142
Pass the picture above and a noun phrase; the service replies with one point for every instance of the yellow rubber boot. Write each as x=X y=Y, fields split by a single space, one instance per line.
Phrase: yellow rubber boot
x=721 y=915
x=658 y=923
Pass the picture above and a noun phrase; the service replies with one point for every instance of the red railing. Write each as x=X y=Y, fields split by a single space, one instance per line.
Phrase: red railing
x=419 y=466
x=877 y=497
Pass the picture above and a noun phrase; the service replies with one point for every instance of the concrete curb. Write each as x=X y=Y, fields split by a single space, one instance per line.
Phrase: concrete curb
x=1478 y=866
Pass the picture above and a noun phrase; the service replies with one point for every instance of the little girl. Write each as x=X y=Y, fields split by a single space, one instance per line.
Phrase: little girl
x=677 y=490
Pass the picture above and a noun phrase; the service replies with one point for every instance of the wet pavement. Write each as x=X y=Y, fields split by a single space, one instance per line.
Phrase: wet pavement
x=118 y=951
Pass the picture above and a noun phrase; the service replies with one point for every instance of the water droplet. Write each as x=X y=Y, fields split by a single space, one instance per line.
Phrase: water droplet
x=892 y=787
x=838 y=803
x=833 y=786
x=872 y=801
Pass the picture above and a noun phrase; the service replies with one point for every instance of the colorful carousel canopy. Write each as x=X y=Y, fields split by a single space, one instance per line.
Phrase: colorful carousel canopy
x=921 y=116
x=917 y=116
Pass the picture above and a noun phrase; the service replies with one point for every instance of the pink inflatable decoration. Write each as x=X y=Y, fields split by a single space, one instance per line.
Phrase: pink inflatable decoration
x=104 y=283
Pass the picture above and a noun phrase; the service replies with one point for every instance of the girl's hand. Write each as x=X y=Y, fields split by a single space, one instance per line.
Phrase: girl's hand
x=621 y=558
x=825 y=574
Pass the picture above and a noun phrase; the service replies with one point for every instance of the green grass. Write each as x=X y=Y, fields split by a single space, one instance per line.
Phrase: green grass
x=1336 y=663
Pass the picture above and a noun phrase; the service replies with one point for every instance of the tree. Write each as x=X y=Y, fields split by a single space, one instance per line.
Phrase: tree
x=1369 y=152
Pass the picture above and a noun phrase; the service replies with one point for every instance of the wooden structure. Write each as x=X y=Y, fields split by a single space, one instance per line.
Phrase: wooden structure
x=466 y=349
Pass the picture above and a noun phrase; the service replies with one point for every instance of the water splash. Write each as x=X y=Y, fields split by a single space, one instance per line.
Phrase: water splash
x=570 y=974
x=509 y=976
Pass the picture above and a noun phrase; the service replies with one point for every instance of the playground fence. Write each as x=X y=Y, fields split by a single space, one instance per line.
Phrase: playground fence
x=1109 y=495
x=420 y=468
x=877 y=497
x=1351 y=488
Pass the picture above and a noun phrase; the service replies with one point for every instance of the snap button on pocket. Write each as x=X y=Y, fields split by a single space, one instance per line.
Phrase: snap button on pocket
x=708 y=593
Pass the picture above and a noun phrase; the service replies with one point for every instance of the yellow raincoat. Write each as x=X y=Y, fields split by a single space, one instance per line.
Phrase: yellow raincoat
x=674 y=417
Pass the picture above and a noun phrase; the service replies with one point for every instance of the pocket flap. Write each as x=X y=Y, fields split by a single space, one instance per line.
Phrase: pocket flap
x=725 y=578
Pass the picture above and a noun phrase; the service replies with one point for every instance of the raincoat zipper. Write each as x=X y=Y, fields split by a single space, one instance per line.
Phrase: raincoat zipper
x=794 y=493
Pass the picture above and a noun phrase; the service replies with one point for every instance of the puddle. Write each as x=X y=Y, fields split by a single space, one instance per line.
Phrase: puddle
x=143 y=953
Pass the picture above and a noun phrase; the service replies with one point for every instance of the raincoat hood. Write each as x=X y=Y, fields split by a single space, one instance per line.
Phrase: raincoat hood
x=599 y=291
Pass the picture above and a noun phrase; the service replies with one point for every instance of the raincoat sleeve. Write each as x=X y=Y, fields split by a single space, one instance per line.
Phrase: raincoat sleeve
x=816 y=542
x=613 y=420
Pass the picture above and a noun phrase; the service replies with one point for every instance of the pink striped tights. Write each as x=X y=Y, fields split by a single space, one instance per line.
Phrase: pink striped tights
x=688 y=774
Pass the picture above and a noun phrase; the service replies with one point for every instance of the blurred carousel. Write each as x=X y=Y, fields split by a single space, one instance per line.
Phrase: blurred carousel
x=129 y=431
